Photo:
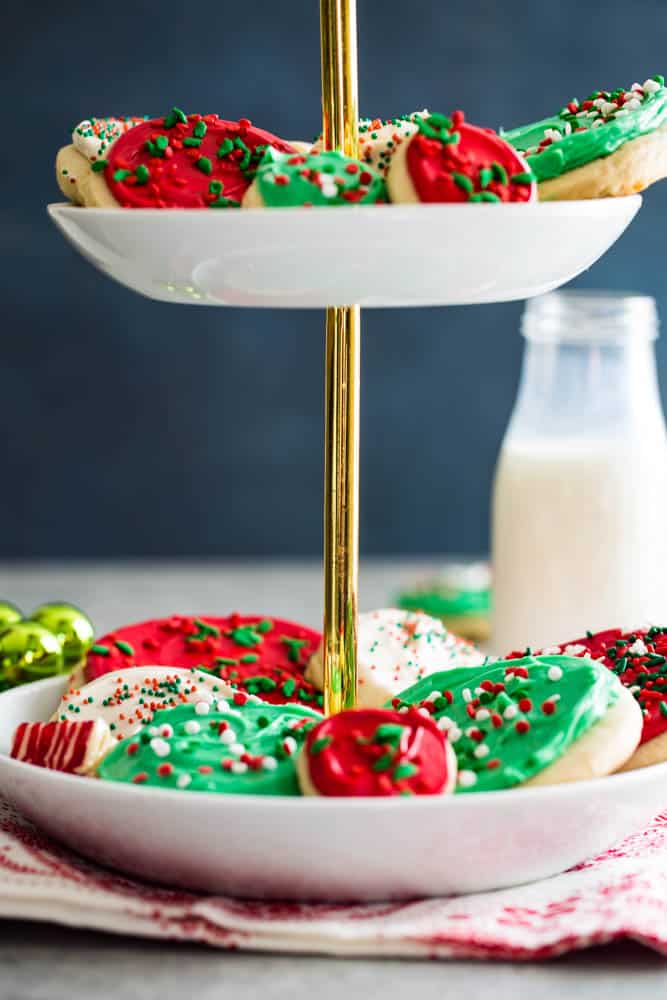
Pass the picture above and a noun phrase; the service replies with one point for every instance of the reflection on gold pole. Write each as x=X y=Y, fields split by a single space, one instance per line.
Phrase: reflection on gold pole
x=338 y=29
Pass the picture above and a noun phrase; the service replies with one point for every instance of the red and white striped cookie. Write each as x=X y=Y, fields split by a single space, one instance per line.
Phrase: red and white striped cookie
x=73 y=747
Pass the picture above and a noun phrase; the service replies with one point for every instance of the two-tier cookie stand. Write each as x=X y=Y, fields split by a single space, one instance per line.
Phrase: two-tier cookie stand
x=339 y=259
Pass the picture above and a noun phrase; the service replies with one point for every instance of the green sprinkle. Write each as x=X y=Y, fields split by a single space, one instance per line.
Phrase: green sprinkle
x=499 y=172
x=389 y=732
x=200 y=130
x=175 y=115
x=204 y=164
x=294 y=647
x=319 y=745
x=663 y=708
x=224 y=203
x=215 y=187
x=440 y=121
x=245 y=635
x=142 y=173
x=463 y=182
x=162 y=142
x=405 y=770
x=194 y=143
x=525 y=177
x=264 y=626
x=99 y=165
x=100 y=650
x=226 y=147
x=124 y=647
x=289 y=687
x=485 y=177
x=384 y=762
x=250 y=658
x=225 y=661
x=120 y=175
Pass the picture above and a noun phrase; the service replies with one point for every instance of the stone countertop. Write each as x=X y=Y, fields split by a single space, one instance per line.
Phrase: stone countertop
x=42 y=962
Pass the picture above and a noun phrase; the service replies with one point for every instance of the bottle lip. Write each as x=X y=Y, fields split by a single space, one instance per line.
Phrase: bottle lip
x=590 y=317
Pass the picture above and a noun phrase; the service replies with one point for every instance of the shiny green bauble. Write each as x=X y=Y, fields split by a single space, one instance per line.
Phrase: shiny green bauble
x=28 y=652
x=9 y=614
x=71 y=627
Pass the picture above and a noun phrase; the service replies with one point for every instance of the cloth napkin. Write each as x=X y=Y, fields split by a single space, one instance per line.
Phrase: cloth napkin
x=619 y=894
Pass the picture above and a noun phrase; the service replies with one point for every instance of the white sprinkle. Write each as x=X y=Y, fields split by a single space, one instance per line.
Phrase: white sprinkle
x=238 y=767
x=554 y=697
x=554 y=673
x=444 y=722
x=635 y=689
x=222 y=705
x=553 y=134
x=424 y=711
x=289 y=745
x=183 y=781
x=192 y=727
x=403 y=709
x=550 y=651
x=467 y=696
x=510 y=712
x=632 y=105
x=568 y=128
x=607 y=107
x=621 y=113
x=166 y=731
x=153 y=731
x=254 y=698
x=651 y=86
x=636 y=86
x=454 y=734
x=482 y=713
x=269 y=763
x=638 y=648
x=236 y=748
x=481 y=751
x=597 y=123
x=228 y=736
x=433 y=696
x=202 y=708
x=467 y=779
x=160 y=747
x=574 y=649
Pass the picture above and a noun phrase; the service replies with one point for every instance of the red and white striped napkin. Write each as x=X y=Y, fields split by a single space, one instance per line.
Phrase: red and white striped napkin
x=619 y=894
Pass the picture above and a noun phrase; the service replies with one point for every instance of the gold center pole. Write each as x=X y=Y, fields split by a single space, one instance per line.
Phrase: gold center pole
x=338 y=30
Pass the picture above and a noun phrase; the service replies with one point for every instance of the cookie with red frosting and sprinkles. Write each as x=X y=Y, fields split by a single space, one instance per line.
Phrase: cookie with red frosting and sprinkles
x=639 y=660
x=448 y=160
x=73 y=747
x=540 y=720
x=375 y=751
x=260 y=656
x=291 y=180
x=180 y=161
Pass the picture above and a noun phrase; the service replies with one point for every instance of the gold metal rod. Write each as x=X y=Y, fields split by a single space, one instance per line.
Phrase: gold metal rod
x=340 y=105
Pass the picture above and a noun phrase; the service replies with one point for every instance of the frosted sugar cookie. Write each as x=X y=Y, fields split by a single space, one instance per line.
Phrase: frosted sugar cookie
x=380 y=138
x=639 y=660
x=74 y=747
x=247 y=749
x=91 y=141
x=395 y=649
x=369 y=752
x=448 y=160
x=258 y=655
x=127 y=700
x=611 y=143
x=535 y=721
x=290 y=180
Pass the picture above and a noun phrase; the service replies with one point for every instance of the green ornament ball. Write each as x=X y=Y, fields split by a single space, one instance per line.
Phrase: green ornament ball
x=9 y=614
x=28 y=652
x=71 y=627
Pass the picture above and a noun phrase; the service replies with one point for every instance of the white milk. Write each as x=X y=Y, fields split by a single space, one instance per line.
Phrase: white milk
x=579 y=519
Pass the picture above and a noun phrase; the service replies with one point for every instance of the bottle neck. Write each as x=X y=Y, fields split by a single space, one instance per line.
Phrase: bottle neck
x=574 y=389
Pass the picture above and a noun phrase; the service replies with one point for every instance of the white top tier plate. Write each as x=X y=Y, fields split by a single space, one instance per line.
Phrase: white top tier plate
x=376 y=255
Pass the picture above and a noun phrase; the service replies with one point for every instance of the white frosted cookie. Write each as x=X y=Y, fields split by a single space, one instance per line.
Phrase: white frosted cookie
x=380 y=138
x=128 y=699
x=91 y=141
x=397 y=648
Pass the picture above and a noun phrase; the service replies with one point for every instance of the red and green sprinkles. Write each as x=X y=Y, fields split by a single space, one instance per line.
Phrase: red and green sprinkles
x=316 y=179
x=508 y=721
x=186 y=161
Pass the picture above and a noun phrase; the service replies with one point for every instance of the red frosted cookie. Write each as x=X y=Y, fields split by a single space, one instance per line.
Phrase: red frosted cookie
x=448 y=160
x=74 y=747
x=639 y=659
x=375 y=751
x=186 y=161
x=263 y=656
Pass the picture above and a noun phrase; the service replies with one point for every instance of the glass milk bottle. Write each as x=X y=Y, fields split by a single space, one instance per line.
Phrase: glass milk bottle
x=579 y=531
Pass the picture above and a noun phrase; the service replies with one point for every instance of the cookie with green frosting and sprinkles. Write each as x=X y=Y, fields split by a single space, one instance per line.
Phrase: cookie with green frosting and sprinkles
x=253 y=654
x=540 y=720
x=247 y=749
x=448 y=160
x=639 y=660
x=611 y=143
x=291 y=180
x=373 y=752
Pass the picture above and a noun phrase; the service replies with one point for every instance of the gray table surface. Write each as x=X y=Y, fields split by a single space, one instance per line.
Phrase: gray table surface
x=43 y=961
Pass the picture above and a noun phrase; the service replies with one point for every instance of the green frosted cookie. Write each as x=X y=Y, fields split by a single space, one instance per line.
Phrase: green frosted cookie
x=288 y=180
x=242 y=749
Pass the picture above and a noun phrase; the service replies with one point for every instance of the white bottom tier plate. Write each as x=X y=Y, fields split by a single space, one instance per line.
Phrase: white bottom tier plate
x=375 y=255
x=323 y=849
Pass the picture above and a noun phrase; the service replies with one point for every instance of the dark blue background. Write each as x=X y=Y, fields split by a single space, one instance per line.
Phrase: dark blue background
x=137 y=428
